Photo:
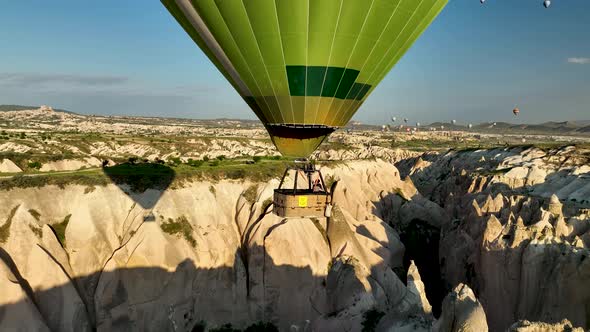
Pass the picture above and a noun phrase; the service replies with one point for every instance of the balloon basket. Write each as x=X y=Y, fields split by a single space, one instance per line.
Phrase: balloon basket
x=302 y=193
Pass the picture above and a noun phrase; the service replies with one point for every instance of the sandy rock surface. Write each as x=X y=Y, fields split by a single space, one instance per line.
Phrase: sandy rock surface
x=7 y=166
x=116 y=268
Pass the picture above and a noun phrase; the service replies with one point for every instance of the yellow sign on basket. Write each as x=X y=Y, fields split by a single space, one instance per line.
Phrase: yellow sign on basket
x=302 y=201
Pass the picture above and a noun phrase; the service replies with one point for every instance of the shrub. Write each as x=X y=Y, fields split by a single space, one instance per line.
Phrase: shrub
x=370 y=320
x=5 y=229
x=37 y=230
x=199 y=326
x=262 y=327
x=225 y=328
x=221 y=158
x=195 y=163
x=180 y=226
x=250 y=193
x=60 y=230
x=34 y=164
x=267 y=202
x=35 y=214
x=257 y=158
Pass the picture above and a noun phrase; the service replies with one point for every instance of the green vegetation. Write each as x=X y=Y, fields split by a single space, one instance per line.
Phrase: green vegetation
x=34 y=165
x=60 y=230
x=175 y=161
x=267 y=202
x=180 y=226
x=34 y=161
x=89 y=189
x=329 y=181
x=5 y=229
x=250 y=193
x=87 y=178
x=262 y=327
x=370 y=320
x=225 y=328
x=35 y=214
x=194 y=163
x=37 y=230
x=199 y=327
x=143 y=176
x=256 y=327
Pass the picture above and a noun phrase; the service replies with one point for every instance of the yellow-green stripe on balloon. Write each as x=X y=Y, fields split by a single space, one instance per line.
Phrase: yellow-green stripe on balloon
x=304 y=66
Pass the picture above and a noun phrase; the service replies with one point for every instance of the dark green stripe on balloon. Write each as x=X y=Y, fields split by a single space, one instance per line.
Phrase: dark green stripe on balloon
x=358 y=91
x=319 y=81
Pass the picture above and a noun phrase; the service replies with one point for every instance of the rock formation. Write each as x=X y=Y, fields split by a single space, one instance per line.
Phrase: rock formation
x=516 y=229
x=526 y=326
x=461 y=312
x=7 y=166
x=203 y=252
x=405 y=249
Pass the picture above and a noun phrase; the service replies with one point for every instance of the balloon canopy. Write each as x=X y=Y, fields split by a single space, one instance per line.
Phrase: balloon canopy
x=304 y=66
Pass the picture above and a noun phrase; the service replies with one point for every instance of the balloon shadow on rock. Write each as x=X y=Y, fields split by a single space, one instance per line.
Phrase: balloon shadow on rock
x=144 y=183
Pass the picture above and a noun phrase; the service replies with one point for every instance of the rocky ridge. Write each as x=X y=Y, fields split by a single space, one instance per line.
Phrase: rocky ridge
x=455 y=246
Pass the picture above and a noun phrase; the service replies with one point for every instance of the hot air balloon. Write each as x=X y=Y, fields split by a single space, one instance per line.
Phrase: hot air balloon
x=304 y=67
x=453 y=121
x=546 y=3
x=470 y=126
x=393 y=119
x=515 y=111
x=406 y=120
x=417 y=124
x=482 y=1
x=442 y=127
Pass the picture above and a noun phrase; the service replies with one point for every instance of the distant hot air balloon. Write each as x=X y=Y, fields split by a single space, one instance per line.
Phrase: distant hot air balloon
x=453 y=121
x=417 y=124
x=482 y=1
x=470 y=126
x=494 y=124
x=406 y=120
x=546 y=3
x=304 y=66
x=516 y=111
x=442 y=127
x=393 y=119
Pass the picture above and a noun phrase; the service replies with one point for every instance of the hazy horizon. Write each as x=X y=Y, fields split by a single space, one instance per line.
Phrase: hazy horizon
x=474 y=64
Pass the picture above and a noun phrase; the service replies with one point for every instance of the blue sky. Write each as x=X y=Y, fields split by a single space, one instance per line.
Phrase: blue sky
x=475 y=63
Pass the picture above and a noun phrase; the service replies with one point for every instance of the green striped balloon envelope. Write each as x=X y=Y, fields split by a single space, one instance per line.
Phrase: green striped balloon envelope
x=304 y=66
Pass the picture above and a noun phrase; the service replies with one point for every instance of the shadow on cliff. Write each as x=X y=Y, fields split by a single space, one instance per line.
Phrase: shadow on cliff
x=134 y=179
x=187 y=298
